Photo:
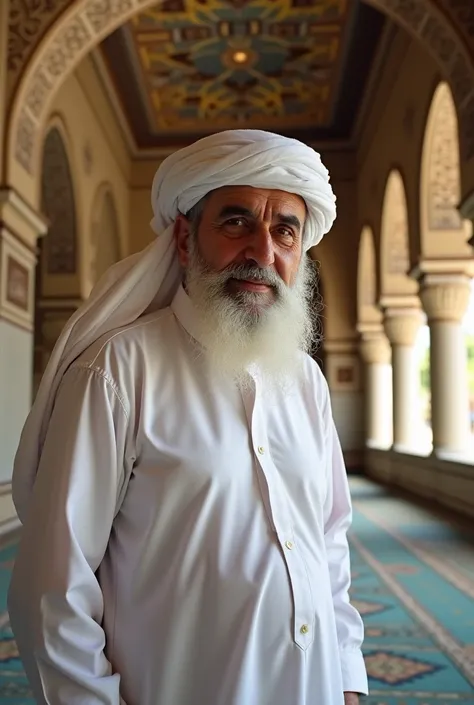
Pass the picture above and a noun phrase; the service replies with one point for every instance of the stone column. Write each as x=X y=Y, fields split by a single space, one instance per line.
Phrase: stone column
x=376 y=354
x=445 y=299
x=401 y=326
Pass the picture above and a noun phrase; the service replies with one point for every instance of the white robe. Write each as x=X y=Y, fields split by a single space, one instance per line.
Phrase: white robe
x=186 y=541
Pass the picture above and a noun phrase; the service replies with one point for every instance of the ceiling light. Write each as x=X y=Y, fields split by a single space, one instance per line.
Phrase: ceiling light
x=240 y=57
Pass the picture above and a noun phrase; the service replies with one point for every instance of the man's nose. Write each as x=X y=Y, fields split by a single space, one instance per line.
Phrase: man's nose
x=260 y=248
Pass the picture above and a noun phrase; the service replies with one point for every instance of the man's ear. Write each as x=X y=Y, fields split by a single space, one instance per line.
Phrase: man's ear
x=182 y=235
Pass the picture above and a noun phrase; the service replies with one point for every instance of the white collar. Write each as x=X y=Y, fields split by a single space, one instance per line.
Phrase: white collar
x=185 y=311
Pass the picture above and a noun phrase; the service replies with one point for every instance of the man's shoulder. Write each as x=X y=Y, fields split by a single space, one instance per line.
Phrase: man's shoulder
x=123 y=345
x=313 y=371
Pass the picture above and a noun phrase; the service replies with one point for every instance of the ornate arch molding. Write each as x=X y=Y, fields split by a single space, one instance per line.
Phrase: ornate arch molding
x=81 y=25
x=424 y=20
x=443 y=231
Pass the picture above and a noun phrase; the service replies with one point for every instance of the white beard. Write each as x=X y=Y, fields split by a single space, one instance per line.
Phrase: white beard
x=239 y=332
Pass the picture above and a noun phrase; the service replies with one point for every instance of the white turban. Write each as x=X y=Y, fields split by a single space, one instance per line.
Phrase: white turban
x=148 y=280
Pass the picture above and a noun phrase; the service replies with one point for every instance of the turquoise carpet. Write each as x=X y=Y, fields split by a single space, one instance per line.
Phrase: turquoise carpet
x=413 y=582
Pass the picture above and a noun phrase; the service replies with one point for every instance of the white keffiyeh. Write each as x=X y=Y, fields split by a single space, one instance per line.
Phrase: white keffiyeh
x=148 y=280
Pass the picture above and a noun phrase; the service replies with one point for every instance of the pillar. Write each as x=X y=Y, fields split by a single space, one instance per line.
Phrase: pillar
x=20 y=226
x=376 y=355
x=445 y=299
x=401 y=326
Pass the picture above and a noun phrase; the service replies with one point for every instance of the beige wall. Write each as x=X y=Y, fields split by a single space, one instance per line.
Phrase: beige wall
x=337 y=253
x=16 y=350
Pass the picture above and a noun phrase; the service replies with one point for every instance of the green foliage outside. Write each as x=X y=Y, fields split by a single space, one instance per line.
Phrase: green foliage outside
x=425 y=369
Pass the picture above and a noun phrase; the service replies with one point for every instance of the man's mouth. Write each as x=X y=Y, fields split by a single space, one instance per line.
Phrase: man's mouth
x=252 y=285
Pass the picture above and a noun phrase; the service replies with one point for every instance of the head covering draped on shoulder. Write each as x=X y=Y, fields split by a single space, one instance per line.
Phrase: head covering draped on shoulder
x=148 y=280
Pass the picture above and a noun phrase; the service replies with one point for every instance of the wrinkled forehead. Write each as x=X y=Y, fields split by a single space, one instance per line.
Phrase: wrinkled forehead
x=260 y=201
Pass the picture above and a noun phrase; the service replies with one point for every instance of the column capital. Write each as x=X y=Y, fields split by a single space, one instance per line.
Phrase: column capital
x=445 y=297
x=375 y=348
x=402 y=324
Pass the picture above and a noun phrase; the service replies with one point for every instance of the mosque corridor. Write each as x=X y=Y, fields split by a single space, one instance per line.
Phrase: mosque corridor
x=413 y=582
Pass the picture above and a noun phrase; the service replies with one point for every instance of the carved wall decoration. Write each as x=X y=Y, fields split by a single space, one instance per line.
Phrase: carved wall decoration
x=343 y=372
x=395 y=227
x=18 y=284
x=28 y=21
x=57 y=203
x=88 y=21
x=462 y=13
x=443 y=171
x=80 y=32
x=444 y=41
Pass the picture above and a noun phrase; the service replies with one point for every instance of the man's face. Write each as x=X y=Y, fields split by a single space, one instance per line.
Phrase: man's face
x=261 y=229
x=248 y=281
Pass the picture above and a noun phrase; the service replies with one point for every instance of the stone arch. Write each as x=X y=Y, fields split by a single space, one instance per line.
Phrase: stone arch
x=105 y=243
x=58 y=205
x=367 y=310
x=394 y=240
x=443 y=232
x=80 y=27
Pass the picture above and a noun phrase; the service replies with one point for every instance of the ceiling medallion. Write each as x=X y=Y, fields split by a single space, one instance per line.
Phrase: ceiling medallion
x=239 y=58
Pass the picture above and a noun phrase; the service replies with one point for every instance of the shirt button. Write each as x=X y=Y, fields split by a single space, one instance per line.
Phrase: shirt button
x=304 y=629
x=289 y=545
x=261 y=450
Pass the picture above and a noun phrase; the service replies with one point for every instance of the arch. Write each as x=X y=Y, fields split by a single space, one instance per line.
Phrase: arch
x=105 y=248
x=443 y=232
x=58 y=261
x=58 y=204
x=394 y=239
x=367 y=311
x=80 y=27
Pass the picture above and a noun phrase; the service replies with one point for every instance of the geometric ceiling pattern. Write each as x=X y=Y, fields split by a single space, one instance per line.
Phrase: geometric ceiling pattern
x=235 y=62
x=190 y=67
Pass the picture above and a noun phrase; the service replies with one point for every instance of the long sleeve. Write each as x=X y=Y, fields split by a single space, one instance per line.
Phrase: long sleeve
x=55 y=600
x=338 y=517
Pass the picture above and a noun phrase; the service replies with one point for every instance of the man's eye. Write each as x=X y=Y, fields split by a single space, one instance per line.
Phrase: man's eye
x=285 y=232
x=235 y=222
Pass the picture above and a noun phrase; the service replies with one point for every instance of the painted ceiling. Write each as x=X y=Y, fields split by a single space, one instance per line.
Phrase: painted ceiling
x=184 y=68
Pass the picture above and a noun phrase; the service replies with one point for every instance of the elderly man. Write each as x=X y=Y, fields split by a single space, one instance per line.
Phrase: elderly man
x=179 y=478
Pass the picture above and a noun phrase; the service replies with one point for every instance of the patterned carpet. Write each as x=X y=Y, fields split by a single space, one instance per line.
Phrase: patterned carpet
x=413 y=582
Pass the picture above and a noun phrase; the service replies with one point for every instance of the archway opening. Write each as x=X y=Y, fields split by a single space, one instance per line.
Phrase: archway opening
x=445 y=253
x=399 y=298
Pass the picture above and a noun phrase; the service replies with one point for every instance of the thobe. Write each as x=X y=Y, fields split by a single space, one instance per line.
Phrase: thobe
x=186 y=539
